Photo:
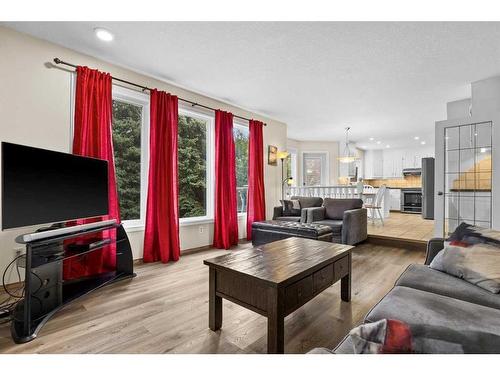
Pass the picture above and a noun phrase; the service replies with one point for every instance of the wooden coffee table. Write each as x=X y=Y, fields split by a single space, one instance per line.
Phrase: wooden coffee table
x=276 y=279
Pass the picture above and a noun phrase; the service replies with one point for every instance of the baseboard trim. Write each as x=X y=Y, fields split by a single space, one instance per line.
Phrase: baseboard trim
x=405 y=243
x=195 y=250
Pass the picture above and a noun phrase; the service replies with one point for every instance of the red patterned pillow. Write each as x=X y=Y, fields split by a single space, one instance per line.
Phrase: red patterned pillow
x=386 y=336
x=459 y=243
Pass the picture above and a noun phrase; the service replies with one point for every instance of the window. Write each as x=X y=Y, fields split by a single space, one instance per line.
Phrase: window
x=314 y=168
x=196 y=164
x=291 y=166
x=130 y=123
x=241 y=135
x=195 y=192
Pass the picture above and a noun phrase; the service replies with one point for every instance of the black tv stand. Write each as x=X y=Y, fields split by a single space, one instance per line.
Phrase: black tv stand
x=45 y=290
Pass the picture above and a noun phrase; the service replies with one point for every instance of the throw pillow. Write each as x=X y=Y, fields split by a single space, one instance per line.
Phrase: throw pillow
x=291 y=207
x=478 y=264
x=386 y=336
x=472 y=253
x=467 y=234
x=395 y=337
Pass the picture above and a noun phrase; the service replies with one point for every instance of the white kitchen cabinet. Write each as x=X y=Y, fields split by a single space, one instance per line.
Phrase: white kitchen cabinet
x=389 y=163
x=395 y=199
x=373 y=163
x=393 y=163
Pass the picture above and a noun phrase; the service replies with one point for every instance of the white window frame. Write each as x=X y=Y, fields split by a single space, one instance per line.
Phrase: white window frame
x=134 y=97
x=237 y=122
x=293 y=165
x=325 y=169
x=208 y=117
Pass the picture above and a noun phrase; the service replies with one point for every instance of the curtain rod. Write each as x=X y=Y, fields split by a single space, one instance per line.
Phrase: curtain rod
x=144 y=88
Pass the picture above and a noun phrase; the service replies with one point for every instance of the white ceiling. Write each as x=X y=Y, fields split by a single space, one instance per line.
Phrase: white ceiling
x=389 y=81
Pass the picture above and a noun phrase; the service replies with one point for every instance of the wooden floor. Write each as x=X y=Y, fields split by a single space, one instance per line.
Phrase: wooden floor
x=165 y=310
x=403 y=226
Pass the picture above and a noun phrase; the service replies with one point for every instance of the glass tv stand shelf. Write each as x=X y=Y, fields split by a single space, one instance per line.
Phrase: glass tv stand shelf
x=46 y=290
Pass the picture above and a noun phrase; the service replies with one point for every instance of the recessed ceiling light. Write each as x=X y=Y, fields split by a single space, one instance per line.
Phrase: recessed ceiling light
x=103 y=34
x=422 y=143
x=371 y=138
x=483 y=150
x=378 y=142
x=416 y=138
x=387 y=146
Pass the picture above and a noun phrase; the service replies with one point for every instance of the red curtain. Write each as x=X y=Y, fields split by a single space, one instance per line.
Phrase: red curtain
x=161 y=235
x=256 y=200
x=93 y=138
x=226 y=216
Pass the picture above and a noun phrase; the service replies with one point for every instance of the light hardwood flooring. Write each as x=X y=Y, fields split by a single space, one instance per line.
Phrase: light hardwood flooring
x=165 y=310
x=403 y=226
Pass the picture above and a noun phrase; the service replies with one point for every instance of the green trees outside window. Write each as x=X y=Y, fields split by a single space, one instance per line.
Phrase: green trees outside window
x=192 y=162
x=192 y=166
x=240 y=134
x=127 y=121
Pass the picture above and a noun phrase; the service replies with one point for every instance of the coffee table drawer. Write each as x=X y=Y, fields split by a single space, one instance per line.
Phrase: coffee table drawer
x=298 y=293
x=243 y=289
x=341 y=267
x=323 y=278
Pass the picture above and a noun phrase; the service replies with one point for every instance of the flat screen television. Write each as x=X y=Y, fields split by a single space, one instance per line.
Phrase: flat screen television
x=41 y=186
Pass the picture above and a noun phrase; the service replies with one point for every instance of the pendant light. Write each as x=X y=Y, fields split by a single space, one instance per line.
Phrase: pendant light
x=347 y=156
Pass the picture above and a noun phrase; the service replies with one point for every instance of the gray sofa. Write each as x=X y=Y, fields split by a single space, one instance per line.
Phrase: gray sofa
x=305 y=202
x=347 y=218
x=446 y=314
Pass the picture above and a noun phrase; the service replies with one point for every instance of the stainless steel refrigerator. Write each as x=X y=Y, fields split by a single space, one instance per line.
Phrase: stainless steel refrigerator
x=428 y=188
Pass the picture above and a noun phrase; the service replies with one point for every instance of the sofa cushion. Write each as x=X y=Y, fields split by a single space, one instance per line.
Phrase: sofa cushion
x=336 y=225
x=335 y=208
x=307 y=202
x=443 y=324
x=288 y=218
x=422 y=277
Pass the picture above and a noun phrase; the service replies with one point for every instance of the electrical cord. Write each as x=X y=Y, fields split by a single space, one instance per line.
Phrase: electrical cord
x=7 y=306
x=5 y=272
x=22 y=292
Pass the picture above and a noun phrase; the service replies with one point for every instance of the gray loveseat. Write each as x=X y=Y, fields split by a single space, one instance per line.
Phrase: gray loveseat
x=347 y=218
x=305 y=202
x=446 y=314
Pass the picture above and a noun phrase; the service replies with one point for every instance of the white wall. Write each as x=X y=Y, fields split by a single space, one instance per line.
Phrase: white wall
x=313 y=146
x=35 y=110
x=458 y=109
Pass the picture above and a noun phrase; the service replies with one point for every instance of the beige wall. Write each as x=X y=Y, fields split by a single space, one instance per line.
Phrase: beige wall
x=314 y=146
x=35 y=110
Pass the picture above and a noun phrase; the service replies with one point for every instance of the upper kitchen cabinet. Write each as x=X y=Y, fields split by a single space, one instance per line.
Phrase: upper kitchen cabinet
x=373 y=164
x=389 y=163
x=393 y=163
